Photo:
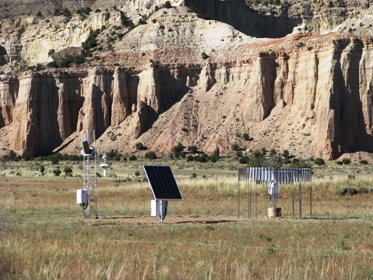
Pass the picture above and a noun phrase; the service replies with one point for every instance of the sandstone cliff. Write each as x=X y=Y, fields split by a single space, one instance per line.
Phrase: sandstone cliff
x=187 y=77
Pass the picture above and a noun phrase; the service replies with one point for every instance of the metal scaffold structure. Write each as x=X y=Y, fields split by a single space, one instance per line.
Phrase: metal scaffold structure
x=273 y=177
x=89 y=193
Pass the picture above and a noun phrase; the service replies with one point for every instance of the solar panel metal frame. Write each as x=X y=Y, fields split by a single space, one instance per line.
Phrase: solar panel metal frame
x=162 y=182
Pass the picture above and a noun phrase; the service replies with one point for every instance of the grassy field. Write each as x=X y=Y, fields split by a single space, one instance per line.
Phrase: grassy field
x=43 y=234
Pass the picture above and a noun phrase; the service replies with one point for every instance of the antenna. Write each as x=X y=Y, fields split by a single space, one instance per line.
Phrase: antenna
x=89 y=192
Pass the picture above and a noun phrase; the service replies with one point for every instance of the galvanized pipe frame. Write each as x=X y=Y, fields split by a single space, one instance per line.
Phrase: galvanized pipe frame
x=261 y=175
x=88 y=183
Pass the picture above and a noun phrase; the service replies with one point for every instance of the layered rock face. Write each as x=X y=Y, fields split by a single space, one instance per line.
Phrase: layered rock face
x=180 y=78
x=45 y=112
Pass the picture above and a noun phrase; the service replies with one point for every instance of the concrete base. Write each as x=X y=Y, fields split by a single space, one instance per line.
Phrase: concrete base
x=277 y=212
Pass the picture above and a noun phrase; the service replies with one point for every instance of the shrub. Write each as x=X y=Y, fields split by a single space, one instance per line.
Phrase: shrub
x=113 y=155
x=285 y=154
x=167 y=4
x=57 y=172
x=319 y=161
x=91 y=41
x=150 y=155
x=56 y=12
x=133 y=158
x=42 y=169
x=363 y=161
x=216 y=155
x=204 y=55
x=139 y=146
x=126 y=21
x=84 y=11
x=51 y=51
x=235 y=147
x=137 y=173
x=68 y=171
x=243 y=160
x=202 y=158
x=66 y=12
x=27 y=156
x=192 y=149
x=246 y=136
x=143 y=19
x=346 y=161
x=12 y=156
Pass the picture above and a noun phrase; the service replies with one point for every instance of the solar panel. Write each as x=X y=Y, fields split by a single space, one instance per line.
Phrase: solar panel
x=162 y=182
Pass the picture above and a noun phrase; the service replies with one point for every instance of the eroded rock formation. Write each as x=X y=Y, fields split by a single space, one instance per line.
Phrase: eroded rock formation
x=181 y=78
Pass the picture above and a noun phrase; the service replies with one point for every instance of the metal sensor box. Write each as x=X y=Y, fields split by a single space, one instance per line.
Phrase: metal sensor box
x=82 y=196
x=155 y=207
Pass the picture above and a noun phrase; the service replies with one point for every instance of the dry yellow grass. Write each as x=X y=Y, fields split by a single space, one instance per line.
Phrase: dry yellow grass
x=43 y=234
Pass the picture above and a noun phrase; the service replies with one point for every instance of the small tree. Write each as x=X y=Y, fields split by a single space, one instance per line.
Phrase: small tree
x=178 y=150
x=258 y=156
x=192 y=149
x=139 y=146
x=167 y=4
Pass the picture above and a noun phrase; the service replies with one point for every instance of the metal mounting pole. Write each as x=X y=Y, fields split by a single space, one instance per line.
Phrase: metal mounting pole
x=292 y=193
x=311 y=200
x=238 y=197
x=300 y=199
x=161 y=211
x=249 y=202
x=95 y=175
